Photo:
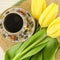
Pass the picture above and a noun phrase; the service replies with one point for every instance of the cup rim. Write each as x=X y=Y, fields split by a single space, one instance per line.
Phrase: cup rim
x=33 y=30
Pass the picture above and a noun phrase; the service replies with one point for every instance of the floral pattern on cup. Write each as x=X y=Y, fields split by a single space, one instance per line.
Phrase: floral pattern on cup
x=27 y=29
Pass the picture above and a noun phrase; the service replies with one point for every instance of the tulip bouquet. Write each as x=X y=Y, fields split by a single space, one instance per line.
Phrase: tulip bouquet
x=46 y=17
x=43 y=44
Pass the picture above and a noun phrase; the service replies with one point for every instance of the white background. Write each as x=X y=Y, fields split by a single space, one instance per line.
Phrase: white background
x=4 y=4
x=1 y=54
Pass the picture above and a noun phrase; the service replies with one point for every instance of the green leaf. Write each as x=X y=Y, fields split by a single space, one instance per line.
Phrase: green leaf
x=11 y=51
x=27 y=58
x=37 y=56
x=51 y=49
x=35 y=49
x=31 y=42
x=6 y=56
x=59 y=45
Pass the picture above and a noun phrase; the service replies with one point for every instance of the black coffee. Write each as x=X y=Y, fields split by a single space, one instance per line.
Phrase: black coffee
x=13 y=22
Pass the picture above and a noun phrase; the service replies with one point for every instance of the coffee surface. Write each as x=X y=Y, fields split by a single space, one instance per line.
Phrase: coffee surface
x=13 y=22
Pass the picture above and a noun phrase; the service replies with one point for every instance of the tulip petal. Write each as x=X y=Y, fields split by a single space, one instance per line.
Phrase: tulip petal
x=37 y=7
x=56 y=21
x=44 y=5
x=53 y=29
x=46 y=11
x=48 y=15
x=33 y=7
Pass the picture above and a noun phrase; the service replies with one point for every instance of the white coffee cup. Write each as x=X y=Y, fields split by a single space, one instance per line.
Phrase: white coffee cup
x=17 y=25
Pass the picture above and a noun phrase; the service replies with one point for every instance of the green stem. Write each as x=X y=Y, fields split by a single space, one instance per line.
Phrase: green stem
x=30 y=47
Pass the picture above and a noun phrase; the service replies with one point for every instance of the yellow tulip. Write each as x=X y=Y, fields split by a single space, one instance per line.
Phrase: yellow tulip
x=48 y=15
x=53 y=29
x=37 y=7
